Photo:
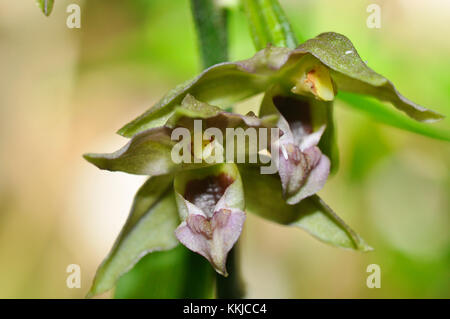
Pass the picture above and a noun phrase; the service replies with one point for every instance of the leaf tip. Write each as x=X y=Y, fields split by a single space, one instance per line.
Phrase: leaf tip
x=363 y=246
x=124 y=131
x=46 y=6
x=436 y=117
x=95 y=159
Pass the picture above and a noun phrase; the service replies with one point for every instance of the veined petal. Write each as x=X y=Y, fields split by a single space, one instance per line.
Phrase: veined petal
x=210 y=204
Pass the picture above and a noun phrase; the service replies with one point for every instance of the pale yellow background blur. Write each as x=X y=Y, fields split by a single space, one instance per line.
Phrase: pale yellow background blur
x=65 y=92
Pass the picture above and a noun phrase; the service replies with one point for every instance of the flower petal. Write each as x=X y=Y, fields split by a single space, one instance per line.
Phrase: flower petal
x=210 y=204
x=315 y=181
x=150 y=152
x=212 y=238
x=147 y=153
x=302 y=174
x=302 y=167
x=302 y=119
x=351 y=74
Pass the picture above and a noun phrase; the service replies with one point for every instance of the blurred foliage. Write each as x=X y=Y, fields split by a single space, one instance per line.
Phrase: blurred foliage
x=177 y=273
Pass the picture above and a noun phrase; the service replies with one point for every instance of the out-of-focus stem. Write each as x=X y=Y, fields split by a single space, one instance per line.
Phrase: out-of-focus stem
x=268 y=24
x=211 y=25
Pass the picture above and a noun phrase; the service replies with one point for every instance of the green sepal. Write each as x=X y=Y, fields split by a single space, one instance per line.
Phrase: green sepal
x=263 y=197
x=150 y=227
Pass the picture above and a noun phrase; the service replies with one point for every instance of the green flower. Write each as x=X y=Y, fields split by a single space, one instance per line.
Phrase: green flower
x=202 y=204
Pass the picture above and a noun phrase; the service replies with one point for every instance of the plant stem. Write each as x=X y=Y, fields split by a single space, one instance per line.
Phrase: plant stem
x=268 y=24
x=211 y=25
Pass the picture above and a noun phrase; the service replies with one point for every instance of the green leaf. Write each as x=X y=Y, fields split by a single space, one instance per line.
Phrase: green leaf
x=351 y=74
x=263 y=197
x=46 y=6
x=384 y=114
x=150 y=227
x=172 y=274
x=268 y=24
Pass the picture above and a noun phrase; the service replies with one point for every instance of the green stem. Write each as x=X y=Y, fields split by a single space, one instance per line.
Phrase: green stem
x=211 y=25
x=268 y=24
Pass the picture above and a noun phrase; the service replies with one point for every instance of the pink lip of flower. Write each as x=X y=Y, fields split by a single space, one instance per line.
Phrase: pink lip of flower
x=212 y=226
x=302 y=174
x=302 y=167
x=212 y=237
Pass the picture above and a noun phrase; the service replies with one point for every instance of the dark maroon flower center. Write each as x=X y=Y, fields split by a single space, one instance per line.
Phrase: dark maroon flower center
x=205 y=193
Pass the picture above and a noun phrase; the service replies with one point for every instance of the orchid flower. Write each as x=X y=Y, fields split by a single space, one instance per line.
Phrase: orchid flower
x=203 y=204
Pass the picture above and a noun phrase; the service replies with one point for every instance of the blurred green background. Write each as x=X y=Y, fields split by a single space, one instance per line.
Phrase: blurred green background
x=64 y=92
